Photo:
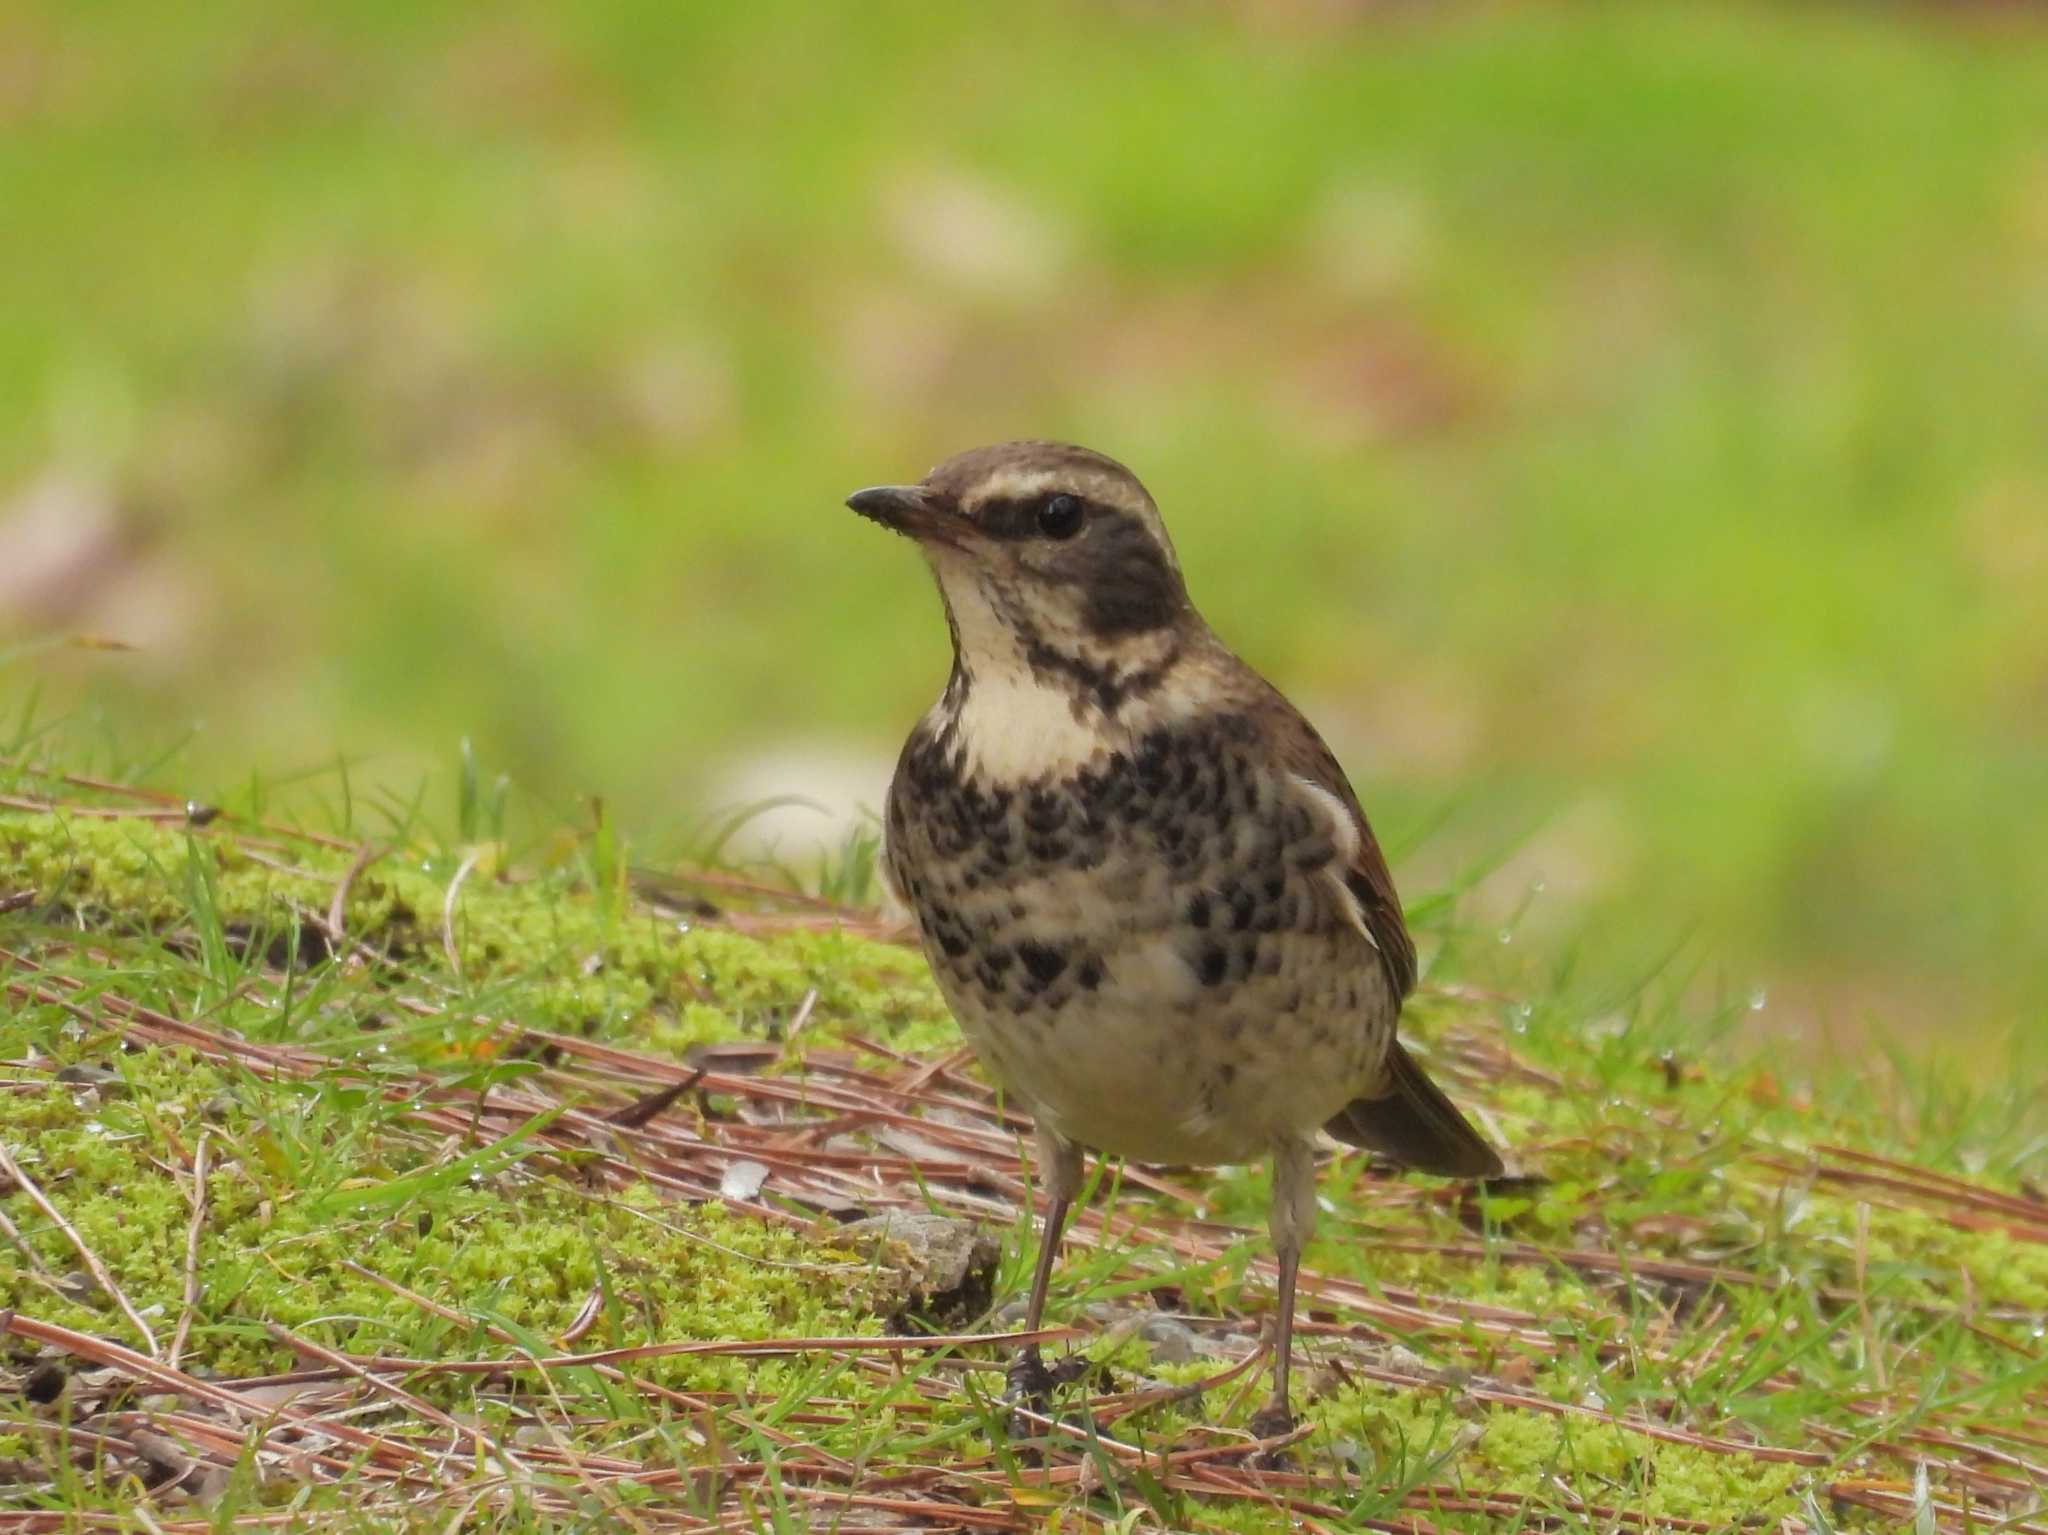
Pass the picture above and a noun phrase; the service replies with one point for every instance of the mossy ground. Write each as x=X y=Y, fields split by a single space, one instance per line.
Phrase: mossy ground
x=1711 y=1253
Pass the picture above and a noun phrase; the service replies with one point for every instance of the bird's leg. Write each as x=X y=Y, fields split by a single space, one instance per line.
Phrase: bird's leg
x=1292 y=1219
x=1059 y=1168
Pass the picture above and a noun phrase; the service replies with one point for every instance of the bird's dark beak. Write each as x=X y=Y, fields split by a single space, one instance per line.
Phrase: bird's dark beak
x=908 y=509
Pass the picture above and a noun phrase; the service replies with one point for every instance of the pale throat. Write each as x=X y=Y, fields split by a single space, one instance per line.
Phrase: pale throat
x=1019 y=705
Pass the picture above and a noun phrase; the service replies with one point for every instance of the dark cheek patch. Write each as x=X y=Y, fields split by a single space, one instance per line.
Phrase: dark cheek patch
x=1127 y=585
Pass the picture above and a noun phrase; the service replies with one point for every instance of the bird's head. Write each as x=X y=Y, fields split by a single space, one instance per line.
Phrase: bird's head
x=1041 y=549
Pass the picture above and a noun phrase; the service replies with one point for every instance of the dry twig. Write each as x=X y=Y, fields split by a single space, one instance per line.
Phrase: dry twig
x=192 y=1230
x=470 y=860
x=337 y=908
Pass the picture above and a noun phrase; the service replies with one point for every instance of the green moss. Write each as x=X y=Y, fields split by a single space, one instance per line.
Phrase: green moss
x=1524 y=1451
x=516 y=1249
x=545 y=946
x=1918 y=1255
x=300 y=1170
x=311 y=1175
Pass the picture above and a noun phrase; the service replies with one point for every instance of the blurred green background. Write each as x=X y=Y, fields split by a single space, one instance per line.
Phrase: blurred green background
x=1624 y=427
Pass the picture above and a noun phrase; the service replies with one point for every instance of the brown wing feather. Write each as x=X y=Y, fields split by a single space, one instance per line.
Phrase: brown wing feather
x=1411 y=1122
x=1409 y=1119
x=1301 y=752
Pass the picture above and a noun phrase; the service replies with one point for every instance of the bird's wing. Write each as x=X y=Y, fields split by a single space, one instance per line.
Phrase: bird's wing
x=1360 y=870
x=1408 y=1119
x=896 y=900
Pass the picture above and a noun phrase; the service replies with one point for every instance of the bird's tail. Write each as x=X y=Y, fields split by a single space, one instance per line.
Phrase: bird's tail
x=1413 y=1123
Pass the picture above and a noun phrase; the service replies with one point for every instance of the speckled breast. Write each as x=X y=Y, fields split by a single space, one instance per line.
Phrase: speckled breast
x=1148 y=947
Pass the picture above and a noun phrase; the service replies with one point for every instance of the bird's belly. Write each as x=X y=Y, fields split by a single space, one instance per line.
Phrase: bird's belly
x=1145 y=949
x=1149 y=1064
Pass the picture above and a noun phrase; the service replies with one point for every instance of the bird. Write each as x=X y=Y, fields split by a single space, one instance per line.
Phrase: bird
x=1146 y=890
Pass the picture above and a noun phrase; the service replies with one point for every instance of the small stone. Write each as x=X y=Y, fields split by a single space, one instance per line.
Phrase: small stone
x=167 y=1463
x=1171 y=1342
x=45 y=1383
x=742 y=1180
x=1399 y=1356
x=945 y=1268
x=1350 y=1452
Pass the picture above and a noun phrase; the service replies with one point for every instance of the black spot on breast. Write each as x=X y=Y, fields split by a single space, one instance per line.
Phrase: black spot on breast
x=1044 y=964
x=993 y=964
x=943 y=923
x=1244 y=959
x=1153 y=769
x=1090 y=973
x=1243 y=905
x=1213 y=964
x=1045 y=812
x=1198 y=910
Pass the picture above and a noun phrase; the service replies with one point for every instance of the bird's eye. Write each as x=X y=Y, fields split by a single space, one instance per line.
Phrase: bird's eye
x=1060 y=517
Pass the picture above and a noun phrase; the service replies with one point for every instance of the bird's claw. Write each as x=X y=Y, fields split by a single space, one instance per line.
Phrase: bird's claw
x=1030 y=1384
x=1273 y=1421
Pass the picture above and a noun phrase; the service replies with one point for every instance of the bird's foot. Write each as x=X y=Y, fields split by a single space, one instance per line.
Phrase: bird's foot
x=1031 y=1381
x=1030 y=1384
x=1273 y=1421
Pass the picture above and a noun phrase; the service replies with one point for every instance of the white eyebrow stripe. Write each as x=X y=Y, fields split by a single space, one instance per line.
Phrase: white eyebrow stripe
x=1018 y=485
